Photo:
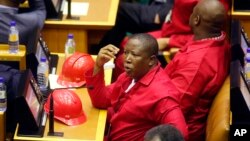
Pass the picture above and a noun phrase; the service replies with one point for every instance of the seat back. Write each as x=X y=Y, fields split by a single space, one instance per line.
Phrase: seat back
x=217 y=128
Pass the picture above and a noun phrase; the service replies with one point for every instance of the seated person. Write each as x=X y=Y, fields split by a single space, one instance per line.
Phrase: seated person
x=142 y=97
x=164 y=132
x=12 y=80
x=199 y=69
x=28 y=23
x=175 y=31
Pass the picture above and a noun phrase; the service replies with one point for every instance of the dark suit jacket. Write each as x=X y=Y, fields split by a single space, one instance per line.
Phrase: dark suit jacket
x=29 y=23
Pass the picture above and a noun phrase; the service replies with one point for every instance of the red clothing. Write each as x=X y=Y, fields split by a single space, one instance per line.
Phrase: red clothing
x=198 y=71
x=177 y=29
x=179 y=23
x=150 y=102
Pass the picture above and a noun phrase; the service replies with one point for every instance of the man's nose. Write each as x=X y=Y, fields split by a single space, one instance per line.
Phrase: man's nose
x=128 y=57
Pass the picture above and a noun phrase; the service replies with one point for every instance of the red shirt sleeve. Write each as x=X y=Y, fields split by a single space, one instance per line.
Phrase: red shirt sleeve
x=98 y=92
x=172 y=114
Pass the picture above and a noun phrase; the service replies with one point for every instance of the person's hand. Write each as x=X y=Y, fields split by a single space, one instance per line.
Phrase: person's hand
x=105 y=54
x=157 y=19
x=162 y=43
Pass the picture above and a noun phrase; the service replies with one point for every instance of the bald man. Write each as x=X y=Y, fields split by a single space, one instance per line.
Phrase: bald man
x=201 y=66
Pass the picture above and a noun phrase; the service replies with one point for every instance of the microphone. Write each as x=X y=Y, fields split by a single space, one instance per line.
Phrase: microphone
x=51 y=119
x=69 y=16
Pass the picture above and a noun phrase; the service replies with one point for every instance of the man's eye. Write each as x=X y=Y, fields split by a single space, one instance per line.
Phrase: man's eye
x=134 y=54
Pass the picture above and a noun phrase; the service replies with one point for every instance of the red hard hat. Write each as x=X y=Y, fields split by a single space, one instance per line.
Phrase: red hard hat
x=73 y=70
x=67 y=107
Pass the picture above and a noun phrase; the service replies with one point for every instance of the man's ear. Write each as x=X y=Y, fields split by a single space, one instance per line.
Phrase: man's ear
x=197 y=20
x=153 y=60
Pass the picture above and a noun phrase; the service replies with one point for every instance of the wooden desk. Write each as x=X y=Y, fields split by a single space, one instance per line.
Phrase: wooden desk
x=101 y=16
x=2 y=125
x=91 y=130
x=19 y=57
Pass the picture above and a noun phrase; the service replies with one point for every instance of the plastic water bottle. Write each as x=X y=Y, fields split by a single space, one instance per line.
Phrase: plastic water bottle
x=247 y=70
x=3 y=95
x=248 y=53
x=43 y=74
x=69 y=46
x=13 y=38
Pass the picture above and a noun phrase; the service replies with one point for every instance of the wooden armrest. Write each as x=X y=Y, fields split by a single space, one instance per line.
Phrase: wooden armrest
x=173 y=51
x=169 y=55
x=166 y=55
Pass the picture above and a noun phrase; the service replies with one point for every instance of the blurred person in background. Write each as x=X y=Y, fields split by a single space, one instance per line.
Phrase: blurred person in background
x=29 y=23
x=134 y=18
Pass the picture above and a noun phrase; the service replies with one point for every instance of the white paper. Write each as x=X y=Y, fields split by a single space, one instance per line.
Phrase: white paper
x=77 y=8
x=109 y=65
x=53 y=77
x=53 y=82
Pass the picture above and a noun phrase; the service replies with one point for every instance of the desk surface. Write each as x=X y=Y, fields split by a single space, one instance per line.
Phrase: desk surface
x=91 y=130
x=101 y=15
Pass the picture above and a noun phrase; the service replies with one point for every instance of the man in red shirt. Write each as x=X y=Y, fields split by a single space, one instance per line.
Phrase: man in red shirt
x=201 y=66
x=142 y=97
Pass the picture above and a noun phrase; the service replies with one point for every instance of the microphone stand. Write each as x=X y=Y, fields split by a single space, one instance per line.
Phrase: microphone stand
x=69 y=16
x=51 y=119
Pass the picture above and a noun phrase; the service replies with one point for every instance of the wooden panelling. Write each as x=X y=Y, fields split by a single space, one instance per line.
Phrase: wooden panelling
x=56 y=39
